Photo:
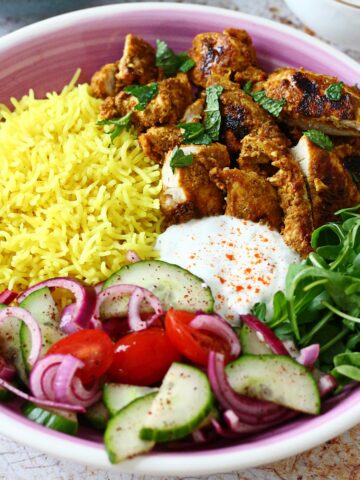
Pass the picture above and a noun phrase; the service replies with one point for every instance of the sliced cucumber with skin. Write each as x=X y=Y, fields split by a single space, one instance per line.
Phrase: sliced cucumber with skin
x=116 y=395
x=279 y=379
x=10 y=345
x=42 y=307
x=122 y=440
x=5 y=395
x=251 y=343
x=174 y=286
x=61 y=421
x=183 y=402
x=97 y=415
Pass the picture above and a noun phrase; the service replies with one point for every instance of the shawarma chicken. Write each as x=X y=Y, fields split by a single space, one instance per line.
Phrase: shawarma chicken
x=267 y=147
x=330 y=184
x=230 y=54
x=157 y=141
x=167 y=107
x=137 y=65
x=249 y=196
x=308 y=105
x=240 y=115
x=188 y=192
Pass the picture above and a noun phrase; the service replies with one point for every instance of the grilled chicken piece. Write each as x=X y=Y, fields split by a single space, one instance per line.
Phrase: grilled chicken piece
x=137 y=65
x=103 y=81
x=188 y=192
x=249 y=196
x=266 y=151
x=157 y=141
x=240 y=115
x=169 y=105
x=228 y=53
x=307 y=105
x=195 y=112
x=330 y=184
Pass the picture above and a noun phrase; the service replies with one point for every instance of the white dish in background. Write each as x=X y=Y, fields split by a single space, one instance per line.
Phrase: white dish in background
x=334 y=20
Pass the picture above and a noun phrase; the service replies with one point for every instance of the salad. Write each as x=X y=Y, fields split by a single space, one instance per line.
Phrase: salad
x=144 y=358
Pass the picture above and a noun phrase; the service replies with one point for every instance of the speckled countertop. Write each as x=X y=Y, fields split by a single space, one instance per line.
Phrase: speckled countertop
x=338 y=459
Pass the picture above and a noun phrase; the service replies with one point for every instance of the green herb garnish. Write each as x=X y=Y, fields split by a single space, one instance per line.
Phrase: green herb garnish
x=195 y=133
x=212 y=122
x=271 y=105
x=248 y=87
x=320 y=139
x=179 y=159
x=334 y=91
x=171 y=62
x=321 y=303
x=144 y=93
x=119 y=125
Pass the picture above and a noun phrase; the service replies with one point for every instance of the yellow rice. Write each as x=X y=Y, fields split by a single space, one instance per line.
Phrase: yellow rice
x=71 y=203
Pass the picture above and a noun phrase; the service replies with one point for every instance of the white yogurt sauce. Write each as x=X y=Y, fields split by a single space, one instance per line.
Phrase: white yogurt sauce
x=242 y=262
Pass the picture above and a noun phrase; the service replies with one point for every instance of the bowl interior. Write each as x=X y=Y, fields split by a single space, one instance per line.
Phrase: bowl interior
x=45 y=57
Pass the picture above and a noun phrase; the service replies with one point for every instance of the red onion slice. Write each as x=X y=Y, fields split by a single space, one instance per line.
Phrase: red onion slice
x=67 y=324
x=7 y=296
x=242 y=428
x=326 y=382
x=269 y=336
x=132 y=256
x=85 y=297
x=217 y=325
x=98 y=287
x=198 y=436
x=42 y=376
x=309 y=355
x=33 y=327
x=7 y=371
x=41 y=402
x=64 y=376
x=138 y=295
x=249 y=410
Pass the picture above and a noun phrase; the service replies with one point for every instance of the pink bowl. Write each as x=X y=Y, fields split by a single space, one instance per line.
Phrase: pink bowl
x=44 y=57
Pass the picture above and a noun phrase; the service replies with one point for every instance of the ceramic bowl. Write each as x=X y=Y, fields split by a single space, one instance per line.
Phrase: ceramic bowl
x=44 y=56
x=334 y=20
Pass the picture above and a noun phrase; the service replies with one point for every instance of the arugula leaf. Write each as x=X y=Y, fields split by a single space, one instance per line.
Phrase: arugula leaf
x=144 y=93
x=347 y=367
x=334 y=91
x=119 y=125
x=271 y=105
x=259 y=311
x=179 y=159
x=194 y=133
x=212 y=122
x=320 y=139
x=171 y=62
x=248 y=87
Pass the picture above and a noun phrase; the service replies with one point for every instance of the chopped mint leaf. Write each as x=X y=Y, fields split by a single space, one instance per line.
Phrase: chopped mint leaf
x=119 y=125
x=144 y=93
x=320 y=139
x=171 y=62
x=248 y=87
x=212 y=121
x=194 y=133
x=271 y=105
x=179 y=159
x=334 y=91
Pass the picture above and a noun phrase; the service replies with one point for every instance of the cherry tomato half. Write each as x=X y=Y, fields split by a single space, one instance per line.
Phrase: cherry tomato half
x=194 y=344
x=93 y=347
x=142 y=358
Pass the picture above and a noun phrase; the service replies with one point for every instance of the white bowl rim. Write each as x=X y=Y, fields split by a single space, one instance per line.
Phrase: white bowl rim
x=83 y=451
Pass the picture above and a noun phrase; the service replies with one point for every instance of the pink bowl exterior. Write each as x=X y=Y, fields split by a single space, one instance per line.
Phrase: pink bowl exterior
x=45 y=56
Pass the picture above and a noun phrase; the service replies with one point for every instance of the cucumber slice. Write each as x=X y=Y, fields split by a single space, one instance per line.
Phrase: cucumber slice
x=97 y=415
x=279 y=379
x=183 y=402
x=121 y=437
x=10 y=345
x=116 y=396
x=42 y=307
x=251 y=343
x=59 y=420
x=5 y=395
x=175 y=287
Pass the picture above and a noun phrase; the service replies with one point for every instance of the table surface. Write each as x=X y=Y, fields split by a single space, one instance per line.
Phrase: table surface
x=335 y=460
